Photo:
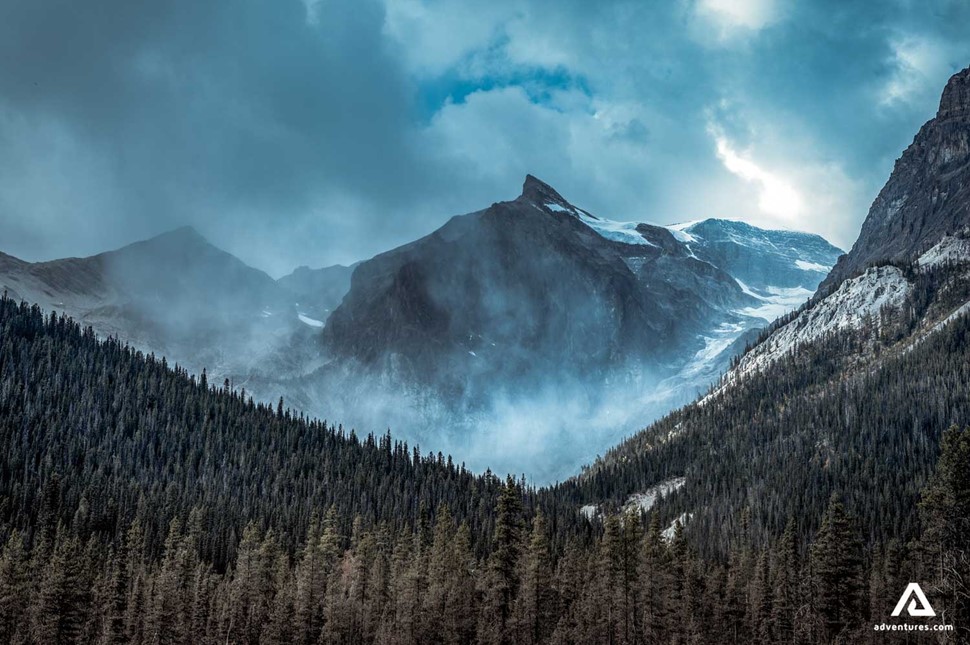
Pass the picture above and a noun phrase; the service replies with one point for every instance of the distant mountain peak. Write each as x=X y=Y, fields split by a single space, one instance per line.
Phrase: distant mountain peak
x=539 y=192
x=955 y=102
x=183 y=233
x=184 y=238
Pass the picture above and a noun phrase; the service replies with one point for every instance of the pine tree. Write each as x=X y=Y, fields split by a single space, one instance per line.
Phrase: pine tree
x=63 y=596
x=837 y=567
x=503 y=563
x=14 y=588
x=785 y=586
x=537 y=603
x=655 y=583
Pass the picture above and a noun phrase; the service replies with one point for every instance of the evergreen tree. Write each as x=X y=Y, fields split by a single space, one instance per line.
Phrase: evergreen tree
x=503 y=580
x=537 y=601
x=838 y=572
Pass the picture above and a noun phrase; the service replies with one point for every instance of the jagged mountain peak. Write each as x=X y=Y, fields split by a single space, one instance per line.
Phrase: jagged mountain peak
x=955 y=102
x=538 y=192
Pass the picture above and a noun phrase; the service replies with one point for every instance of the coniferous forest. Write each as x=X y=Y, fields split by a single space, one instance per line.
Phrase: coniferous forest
x=141 y=504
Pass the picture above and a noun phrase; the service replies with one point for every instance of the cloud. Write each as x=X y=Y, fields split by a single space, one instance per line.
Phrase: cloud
x=732 y=18
x=317 y=131
x=918 y=64
x=776 y=196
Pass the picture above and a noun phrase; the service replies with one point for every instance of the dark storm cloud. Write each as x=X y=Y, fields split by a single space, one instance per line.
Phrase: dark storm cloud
x=232 y=116
x=318 y=132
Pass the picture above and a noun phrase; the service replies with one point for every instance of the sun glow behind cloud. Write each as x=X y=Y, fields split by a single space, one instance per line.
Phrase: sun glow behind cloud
x=776 y=197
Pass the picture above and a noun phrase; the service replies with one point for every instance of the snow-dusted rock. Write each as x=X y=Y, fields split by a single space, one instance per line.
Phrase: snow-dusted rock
x=849 y=307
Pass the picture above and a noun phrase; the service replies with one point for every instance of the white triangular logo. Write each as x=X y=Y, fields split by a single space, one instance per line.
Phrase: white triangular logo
x=921 y=610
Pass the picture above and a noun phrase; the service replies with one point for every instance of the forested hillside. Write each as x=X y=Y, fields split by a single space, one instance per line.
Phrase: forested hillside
x=96 y=433
x=142 y=505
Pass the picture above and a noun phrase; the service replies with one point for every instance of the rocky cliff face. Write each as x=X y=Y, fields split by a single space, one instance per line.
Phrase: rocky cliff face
x=927 y=195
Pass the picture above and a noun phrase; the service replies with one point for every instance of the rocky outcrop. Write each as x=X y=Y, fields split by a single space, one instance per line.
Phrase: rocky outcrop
x=927 y=195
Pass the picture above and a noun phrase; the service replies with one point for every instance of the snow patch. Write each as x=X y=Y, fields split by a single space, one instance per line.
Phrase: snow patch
x=643 y=502
x=948 y=250
x=680 y=235
x=683 y=226
x=716 y=344
x=312 y=322
x=671 y=531
x=778 y=302
x=812 y=266
x=624 y=232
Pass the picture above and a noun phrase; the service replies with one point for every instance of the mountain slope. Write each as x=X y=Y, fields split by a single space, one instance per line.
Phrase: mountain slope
x=175 y=295
x=857 y=413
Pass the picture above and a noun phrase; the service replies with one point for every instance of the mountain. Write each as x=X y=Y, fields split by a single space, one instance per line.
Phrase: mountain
x=531 y=284
x=927 y=195
x=848 y=396
x=175 y=295
x=537 y=283
x=534 y=331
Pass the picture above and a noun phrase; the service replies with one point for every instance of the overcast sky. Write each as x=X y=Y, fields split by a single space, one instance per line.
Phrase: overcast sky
x=324 y=131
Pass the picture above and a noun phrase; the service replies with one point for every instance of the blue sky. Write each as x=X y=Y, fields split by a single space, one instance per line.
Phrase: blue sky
x=320 y=131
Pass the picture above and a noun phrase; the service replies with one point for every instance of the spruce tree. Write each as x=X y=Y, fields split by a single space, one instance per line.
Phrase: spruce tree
x=838 y=575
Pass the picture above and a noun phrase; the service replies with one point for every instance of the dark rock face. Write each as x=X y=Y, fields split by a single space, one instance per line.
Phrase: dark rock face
x=927 y=195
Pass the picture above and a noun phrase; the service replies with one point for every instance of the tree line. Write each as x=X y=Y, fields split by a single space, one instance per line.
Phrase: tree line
x=631 y=584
